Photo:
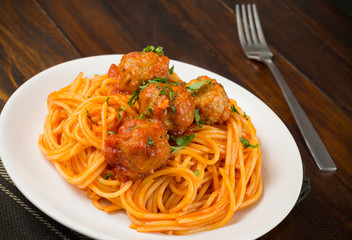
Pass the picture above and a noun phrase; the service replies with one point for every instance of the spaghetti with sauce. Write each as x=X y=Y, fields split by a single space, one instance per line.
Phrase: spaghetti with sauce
x=179 y=157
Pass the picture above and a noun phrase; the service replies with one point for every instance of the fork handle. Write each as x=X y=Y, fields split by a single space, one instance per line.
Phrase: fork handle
x=314 y=143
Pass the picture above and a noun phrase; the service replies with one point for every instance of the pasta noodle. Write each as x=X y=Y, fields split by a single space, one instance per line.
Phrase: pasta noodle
x=199 y=189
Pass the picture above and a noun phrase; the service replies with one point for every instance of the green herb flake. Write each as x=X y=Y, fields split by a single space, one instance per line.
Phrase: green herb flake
x=158 y=50
x=246 y=143
x=135 y=96
x=196 y=172
x=150 y=141
x=90 y=117
x=111 y=132
x=173 y=108
x=244 y=115
x=155 y=80
x=107 y=101
x=129 y=129
x=107 y=176
x=149 y=49
x=120 y=109
x=150 y=110
x=197 y=117
x=166 y=92
x=233 y=109
x=158 y=80
x=196 y=86
x=118 y=112
x=171 y=70
x=141 y=116
x=133 y=99
x=181 y=142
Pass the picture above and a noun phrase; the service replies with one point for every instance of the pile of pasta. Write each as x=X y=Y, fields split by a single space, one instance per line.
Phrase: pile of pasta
x=199 y=189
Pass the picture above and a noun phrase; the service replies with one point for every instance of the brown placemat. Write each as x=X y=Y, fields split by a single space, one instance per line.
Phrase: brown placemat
x=20 y=219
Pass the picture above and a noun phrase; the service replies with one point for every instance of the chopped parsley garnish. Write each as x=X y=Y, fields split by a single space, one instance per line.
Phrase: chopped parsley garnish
x=107 y=176
x=141 y=116
x=196 y=86
x=169 y=93
x=172 y=93
x=244 y=115
x=246 y=143
x=171 y=70
x=150 y=110
x=148 y=49
x=150 y=141
x=111 y=132
x=196 y=172
x=90 y=117
x=155 y=80
x=118 y=111
x=173 y=109
x=132 y=128
x=107 y=101
x=197 y=117
x=233 y=109
x=181 y=142
x=135 y=96
x=158 y=50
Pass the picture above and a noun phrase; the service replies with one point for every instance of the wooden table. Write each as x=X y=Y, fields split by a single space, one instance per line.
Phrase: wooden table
x=311 y=41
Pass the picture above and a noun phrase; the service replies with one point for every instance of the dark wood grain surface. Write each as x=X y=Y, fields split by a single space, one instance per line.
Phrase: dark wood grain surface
x=311 y=42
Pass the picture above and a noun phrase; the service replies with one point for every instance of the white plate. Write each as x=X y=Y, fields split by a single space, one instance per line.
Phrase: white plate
x=22 y=120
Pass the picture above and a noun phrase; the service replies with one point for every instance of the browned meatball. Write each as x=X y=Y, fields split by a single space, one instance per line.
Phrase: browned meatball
x=139 y=148
x=138 y=67
x=211 y=100
x=171 y=104
x=115 y=72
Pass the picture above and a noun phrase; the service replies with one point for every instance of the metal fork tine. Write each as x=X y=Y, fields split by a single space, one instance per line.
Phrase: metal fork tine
x=250 y=17
x=239 y=26
x=258 y=50
x=245 y=24
x=258 y=26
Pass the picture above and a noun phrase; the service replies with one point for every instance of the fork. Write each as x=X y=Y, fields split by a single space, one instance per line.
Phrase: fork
x=255 y=47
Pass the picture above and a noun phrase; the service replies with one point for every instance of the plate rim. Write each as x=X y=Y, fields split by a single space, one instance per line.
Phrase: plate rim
x=72 y=224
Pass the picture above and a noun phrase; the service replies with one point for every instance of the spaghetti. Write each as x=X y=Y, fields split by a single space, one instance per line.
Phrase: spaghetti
x=200 y=188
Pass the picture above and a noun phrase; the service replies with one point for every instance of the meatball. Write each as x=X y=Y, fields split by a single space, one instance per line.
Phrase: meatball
x=169 y=103
x=211 y=101
x=114 y=72
x=139 y=148
x=138 y=67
